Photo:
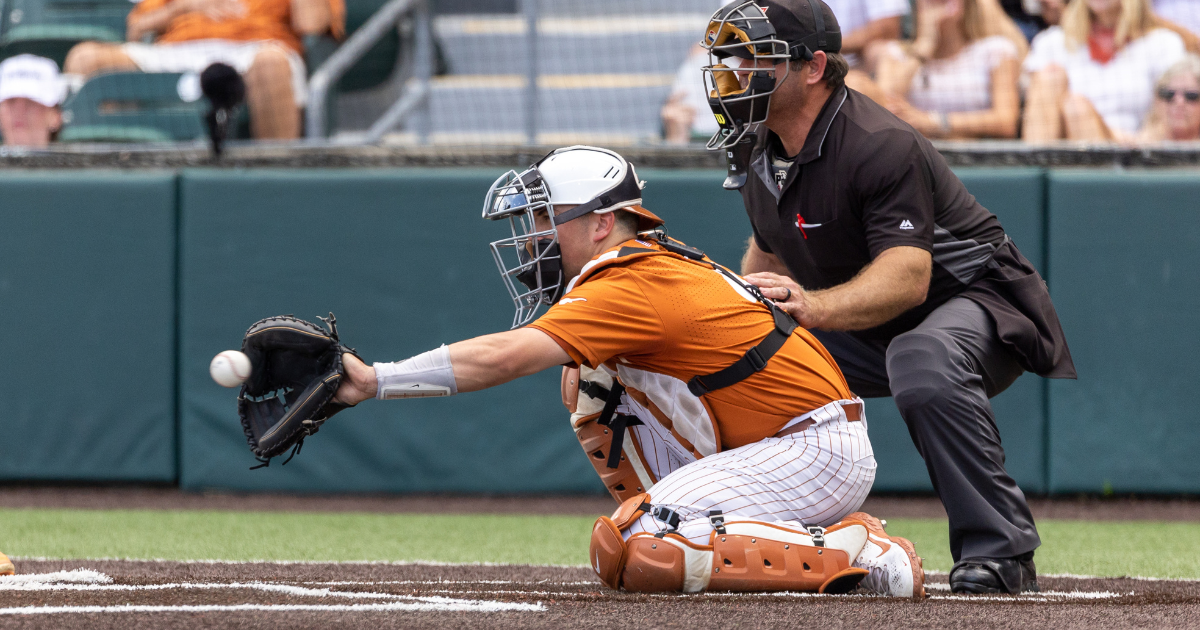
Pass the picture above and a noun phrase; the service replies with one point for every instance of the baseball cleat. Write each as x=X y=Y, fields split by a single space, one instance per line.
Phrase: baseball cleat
x=894 y=568
x=6 y=565
x=994 y=575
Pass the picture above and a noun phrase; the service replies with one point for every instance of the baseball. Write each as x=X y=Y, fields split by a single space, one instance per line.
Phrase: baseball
x=230 y=368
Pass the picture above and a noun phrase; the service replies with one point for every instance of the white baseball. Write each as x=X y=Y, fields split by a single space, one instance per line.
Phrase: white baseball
x=230 y=368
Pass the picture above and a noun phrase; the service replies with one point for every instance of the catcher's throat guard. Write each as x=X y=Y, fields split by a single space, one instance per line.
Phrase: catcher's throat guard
x=590 y=179
x=297 y=370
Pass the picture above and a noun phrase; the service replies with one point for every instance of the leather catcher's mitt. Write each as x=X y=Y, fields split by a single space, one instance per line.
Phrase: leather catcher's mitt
x=297 y=370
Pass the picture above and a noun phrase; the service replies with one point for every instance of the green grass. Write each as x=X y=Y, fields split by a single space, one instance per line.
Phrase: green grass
x=1169 y=550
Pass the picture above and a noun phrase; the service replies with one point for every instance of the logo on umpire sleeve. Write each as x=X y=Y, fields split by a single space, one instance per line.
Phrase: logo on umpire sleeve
x=906 y=225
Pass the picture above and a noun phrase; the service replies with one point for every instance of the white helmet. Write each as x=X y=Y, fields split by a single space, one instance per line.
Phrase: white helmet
x=592 y=179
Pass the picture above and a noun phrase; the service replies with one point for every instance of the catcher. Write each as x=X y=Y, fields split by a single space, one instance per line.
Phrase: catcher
x=728 y=433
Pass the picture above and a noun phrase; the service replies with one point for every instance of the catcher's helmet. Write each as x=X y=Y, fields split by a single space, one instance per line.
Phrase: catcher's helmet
x=772 y=30
x=592 y=179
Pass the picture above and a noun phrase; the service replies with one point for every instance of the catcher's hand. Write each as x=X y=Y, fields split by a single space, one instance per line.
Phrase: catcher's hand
x=359 y=382
x=298 y=367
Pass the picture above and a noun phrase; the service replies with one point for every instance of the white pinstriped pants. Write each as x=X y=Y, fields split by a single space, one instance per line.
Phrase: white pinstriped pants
x=813 y=477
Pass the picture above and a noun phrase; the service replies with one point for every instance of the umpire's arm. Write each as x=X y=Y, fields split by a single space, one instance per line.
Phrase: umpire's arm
x=478 y=363
x=897 y=280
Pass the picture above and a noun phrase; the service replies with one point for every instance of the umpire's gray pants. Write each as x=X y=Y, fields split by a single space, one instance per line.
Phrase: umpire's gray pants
x=941 y=375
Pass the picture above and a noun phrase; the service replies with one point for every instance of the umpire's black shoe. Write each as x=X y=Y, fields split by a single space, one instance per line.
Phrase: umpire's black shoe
x=994 y=575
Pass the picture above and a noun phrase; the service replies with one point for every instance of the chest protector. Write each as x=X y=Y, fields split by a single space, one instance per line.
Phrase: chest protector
x=686 y=415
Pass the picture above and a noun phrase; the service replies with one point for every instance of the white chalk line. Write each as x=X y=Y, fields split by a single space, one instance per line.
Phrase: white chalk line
x=385 y=563
x=79 y=576
x=86 y=580
x=458 y=606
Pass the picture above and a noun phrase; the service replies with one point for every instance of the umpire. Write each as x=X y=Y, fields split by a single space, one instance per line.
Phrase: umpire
x=863 y=233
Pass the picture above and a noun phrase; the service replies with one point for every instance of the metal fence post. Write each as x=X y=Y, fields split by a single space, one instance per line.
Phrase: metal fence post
x=425 y=61
x=416 y=95
x=530 y=9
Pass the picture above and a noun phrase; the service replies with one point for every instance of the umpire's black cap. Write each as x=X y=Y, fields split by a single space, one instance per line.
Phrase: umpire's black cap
x=807 y=23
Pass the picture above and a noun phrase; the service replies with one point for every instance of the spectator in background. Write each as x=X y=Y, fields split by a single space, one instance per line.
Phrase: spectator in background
x=30 y=92
x=260 y=38
x=958 y=78
x=1028 y=15
x=1185 y=13
x=686 y=116
x=1093 y=76
x=1175 y=116
x=865 y=22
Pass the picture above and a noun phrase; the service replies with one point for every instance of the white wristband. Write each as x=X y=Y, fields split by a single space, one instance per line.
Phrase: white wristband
x=427 y=374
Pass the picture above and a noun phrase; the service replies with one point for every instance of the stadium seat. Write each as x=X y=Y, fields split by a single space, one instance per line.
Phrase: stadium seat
x=133 y=107
x=375 y=67
x=49 y=28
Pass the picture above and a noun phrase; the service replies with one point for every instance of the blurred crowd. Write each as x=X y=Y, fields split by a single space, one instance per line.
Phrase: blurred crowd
x=261 y=39
x=1123 y=71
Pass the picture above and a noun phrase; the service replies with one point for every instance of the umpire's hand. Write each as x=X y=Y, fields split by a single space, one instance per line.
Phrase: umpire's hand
x=803 y=306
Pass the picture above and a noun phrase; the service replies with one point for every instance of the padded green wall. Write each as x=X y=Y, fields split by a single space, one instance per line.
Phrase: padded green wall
x=401 y=257
x=100 y=287
x=1125 y=274
x=87 y=301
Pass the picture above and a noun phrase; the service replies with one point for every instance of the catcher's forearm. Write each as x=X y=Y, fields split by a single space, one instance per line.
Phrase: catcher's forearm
x=469 y=365
x=493 y=360
x=422 y=376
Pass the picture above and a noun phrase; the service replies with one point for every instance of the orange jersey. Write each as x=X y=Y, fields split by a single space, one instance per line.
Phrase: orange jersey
x=653 y=314
x=264 y=20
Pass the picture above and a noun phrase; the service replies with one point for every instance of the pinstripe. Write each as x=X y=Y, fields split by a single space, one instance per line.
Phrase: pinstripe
x=816 y=476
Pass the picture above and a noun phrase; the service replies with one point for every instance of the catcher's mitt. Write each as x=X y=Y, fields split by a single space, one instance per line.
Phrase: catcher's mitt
x=297 y=370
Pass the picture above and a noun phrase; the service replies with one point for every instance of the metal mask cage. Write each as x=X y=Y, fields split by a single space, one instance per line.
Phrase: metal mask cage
x=517 y=197
x=728 y=36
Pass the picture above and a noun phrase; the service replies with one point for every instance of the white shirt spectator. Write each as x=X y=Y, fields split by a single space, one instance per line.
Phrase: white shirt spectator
x=1122 y=90
x=962 y=83
x=855 y=14
x=691 y=85
x=1185 y=13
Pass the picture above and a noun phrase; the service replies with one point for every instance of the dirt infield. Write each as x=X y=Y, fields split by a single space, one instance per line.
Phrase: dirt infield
x=129 y=595
x=905 y=506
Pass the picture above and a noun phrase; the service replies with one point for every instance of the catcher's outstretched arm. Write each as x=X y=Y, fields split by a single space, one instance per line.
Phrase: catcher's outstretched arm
x=477 y=363
x=492 y=360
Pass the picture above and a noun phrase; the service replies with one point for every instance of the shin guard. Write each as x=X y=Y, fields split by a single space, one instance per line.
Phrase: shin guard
x=759 y=556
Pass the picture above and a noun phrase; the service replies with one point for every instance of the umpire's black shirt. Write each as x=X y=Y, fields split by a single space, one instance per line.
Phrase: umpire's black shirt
x=864 y=182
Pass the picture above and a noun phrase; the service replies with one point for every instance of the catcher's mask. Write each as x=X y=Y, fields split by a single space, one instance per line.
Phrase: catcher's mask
x=774 y=31
x=589 y=178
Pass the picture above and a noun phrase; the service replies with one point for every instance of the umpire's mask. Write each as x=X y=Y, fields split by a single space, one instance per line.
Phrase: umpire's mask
x=590 y=178
x=764 y=33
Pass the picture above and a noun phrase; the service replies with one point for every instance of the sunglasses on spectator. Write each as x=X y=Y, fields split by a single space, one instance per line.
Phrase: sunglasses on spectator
x=1167 y=94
